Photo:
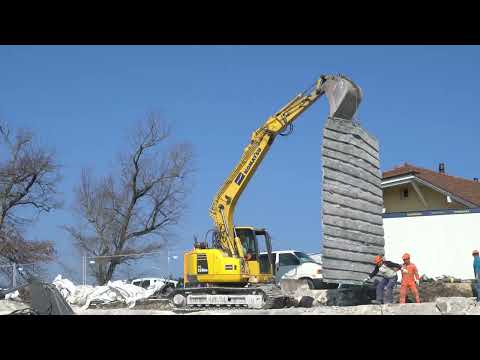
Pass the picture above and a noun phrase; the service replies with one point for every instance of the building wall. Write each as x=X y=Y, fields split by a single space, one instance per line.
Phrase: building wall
x=394 y=201
x=438 y=244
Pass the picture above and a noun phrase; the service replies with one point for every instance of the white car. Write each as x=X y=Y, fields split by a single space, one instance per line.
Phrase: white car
x=291 y=264
x=148 y=283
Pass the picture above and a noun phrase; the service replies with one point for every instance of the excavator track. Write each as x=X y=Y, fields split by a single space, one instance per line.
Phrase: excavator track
x=274 y=297
x=263 y=296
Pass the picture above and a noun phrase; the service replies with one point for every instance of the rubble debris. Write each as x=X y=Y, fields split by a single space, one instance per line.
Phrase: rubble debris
x=410 y=309
x=306 y=302
x=8 y=306
x=444 y=306
x=455 y=305
x=115 y=292
x=347 y=295
x=122 y=311
x=449 y=279
x=298 y=293
x=14 y=296
x=430 y=290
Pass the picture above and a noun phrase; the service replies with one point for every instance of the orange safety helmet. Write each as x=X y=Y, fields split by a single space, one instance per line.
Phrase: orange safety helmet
x=378 y=259
x=475 y=252
x=406 y=256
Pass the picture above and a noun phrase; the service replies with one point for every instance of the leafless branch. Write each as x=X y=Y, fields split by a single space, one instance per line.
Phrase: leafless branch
x=29 y=176
x=135 y=212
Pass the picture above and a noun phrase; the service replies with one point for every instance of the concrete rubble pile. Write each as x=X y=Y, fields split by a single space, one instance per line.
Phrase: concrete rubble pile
x=114 y=291
x=352 y=202
x=442 y=306
x=8 y=306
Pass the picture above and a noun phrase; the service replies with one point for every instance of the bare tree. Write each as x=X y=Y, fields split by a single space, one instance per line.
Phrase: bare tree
x=134 y=212
x=29 y=176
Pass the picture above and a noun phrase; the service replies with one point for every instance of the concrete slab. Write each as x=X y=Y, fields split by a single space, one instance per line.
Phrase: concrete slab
x=123 y=311
x=455 y=305
x=410 y=309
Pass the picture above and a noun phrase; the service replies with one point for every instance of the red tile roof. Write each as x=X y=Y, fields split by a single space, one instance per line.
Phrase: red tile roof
x=468 y=190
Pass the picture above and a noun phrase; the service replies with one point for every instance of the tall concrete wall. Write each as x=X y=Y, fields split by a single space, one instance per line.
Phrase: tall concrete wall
x=352 y=202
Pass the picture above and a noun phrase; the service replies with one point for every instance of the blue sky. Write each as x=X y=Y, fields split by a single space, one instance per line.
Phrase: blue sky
x=419 y=101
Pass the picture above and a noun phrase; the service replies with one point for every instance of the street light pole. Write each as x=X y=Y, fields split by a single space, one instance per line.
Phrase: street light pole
x=14 y=276
x=84 y=270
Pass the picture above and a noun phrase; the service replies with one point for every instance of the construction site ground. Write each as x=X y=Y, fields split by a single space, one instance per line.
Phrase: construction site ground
x=442 y=306
x=438 y=298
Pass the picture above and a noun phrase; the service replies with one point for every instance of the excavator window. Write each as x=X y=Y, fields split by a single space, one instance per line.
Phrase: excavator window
x=255 y=242
x=267 y=262
x=264 y=264
x=249 y=242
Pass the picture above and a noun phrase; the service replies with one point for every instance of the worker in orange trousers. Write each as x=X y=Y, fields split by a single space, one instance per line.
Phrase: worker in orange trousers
x=409 y=279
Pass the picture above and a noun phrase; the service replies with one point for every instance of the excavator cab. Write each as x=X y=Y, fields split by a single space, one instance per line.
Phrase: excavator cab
x=254 y=241
x=207 y=265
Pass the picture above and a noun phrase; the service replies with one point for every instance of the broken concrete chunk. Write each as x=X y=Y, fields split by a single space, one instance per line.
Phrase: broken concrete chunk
x=411 y=309
x=455 y=305
x=306 y=302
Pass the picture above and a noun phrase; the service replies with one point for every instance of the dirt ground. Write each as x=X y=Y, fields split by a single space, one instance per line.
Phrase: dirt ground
x=430 y=291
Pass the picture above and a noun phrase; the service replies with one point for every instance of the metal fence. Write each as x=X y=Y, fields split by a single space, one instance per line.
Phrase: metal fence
x=171 y=256
x=18 y=269
x=155 y=262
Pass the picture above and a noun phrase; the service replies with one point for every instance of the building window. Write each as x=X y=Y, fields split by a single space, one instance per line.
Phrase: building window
x=404 y=194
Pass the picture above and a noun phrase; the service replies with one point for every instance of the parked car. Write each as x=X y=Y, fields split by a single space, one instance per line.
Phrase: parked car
x=291 y=264
x=148 y=283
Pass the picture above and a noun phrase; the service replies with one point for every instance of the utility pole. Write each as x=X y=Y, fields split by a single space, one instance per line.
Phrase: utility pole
x=84 y=270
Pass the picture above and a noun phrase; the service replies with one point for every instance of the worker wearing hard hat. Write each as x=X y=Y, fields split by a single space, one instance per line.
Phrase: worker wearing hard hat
x=476 y=271
x=410 y=279
x=388 y=271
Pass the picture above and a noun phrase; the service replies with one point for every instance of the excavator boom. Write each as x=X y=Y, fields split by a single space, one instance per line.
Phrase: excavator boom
x=343 y=96
x=233 y=271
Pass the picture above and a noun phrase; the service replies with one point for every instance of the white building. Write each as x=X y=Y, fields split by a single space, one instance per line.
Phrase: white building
x=434 y=217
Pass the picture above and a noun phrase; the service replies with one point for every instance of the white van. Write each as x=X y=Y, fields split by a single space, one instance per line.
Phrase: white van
x=291 y=264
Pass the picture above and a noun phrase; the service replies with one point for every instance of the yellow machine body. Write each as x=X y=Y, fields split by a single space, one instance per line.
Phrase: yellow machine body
x=215 y=266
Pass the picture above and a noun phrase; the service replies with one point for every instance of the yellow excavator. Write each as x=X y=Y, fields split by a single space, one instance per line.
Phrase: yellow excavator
x=230 y=270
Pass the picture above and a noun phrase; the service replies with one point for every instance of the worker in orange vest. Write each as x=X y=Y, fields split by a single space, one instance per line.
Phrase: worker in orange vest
x=410 y=279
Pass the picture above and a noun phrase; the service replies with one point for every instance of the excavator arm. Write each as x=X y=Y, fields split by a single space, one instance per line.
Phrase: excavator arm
x=343 y=97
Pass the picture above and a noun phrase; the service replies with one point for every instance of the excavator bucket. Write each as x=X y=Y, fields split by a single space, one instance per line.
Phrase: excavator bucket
x=344 y=96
